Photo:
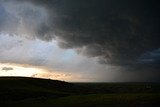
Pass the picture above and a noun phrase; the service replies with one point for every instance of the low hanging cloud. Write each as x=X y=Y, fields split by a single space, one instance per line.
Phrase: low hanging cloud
x=7 y=69
x=117 y=33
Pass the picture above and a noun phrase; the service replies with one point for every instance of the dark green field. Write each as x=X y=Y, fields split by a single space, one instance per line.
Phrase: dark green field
x=34 y=92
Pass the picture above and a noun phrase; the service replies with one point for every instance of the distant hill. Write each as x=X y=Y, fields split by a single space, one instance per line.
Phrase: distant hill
x=18 y=88
x=36 y=92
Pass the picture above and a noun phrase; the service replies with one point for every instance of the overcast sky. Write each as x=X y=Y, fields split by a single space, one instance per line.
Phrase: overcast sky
x=87 y=40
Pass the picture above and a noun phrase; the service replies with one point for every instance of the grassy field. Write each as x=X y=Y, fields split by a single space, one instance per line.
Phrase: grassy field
x=33 y=92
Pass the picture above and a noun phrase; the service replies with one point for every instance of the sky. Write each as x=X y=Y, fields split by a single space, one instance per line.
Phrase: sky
x=81 y=40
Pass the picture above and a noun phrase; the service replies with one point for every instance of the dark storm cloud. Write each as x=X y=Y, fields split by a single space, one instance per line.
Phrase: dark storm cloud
x=152 y=57
x=7 y=69
x=118 y=32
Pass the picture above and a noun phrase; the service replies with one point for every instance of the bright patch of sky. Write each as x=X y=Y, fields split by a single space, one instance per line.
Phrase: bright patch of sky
x=35 y=52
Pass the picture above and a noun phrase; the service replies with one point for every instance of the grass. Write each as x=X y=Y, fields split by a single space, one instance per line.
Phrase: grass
x=95 y=100
x=31 y=92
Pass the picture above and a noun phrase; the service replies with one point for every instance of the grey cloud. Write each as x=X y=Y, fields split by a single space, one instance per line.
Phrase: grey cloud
x=112 y=30
x=7 y=69
x=24 y=19
x=7 y=21
x=152 y=57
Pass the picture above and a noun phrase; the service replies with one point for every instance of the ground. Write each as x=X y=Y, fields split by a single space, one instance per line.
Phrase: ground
x=34 y=92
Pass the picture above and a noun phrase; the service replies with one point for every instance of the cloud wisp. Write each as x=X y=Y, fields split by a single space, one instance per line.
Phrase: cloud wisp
x=7 y=69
